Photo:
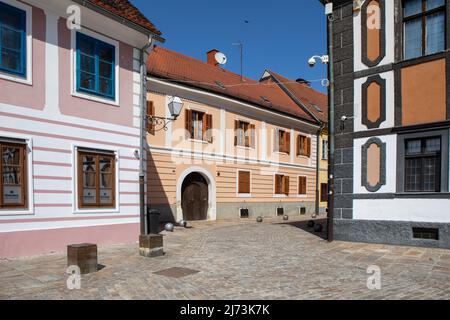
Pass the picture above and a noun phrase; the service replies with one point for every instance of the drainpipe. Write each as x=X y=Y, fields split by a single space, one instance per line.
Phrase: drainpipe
x=143 y=126
x=330 y=234
x=319 y=133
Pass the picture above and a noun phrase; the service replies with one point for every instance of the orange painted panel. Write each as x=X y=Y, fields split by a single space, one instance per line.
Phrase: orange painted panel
x=374 y=102
x=373 y=165
x=373 y=34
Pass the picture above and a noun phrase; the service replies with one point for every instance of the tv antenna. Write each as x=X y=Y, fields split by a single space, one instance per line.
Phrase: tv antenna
x=241 y=46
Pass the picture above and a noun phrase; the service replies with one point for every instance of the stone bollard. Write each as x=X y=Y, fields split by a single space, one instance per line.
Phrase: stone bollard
x=84 y=256
x=151 y=245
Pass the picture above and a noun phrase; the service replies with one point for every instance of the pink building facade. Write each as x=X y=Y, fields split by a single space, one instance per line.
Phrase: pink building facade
x=70 y=102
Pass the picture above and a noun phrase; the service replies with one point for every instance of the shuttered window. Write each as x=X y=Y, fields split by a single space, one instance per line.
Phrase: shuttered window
x=281 y=184
x=96 y=179
x=244 y=134
x=282 y=141
x=324 y=192
x=303 y=146
x=13 y=173
x=302 y=185
x=244 y=182
x=199 y=126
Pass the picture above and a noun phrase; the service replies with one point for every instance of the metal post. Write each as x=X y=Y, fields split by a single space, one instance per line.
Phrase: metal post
x=330 y=236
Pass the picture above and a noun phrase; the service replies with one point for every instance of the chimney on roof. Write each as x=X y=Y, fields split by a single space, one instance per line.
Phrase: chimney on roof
x=211 y=57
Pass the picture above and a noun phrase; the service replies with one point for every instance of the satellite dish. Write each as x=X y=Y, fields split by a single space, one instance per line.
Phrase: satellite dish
x=221 y=58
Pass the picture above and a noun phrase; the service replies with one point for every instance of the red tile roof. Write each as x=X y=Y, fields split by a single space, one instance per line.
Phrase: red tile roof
x=181 y=69
x=126 y=10
x=309 y=97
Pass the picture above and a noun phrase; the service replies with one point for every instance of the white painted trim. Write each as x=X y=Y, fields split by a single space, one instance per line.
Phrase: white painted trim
x=263 y=141
x=212 y=208
x=293 y=145
x=222 y=130
x=29 y=31
x=73 y=64
x=74 y=160
x=30 y=182
x=169 y=131
x=243 y=195
x=51 y=63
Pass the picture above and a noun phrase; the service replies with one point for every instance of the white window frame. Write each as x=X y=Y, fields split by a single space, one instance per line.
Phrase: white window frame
x=30 y=183
x=76 y=208
x=73 y=67
x=29 y=40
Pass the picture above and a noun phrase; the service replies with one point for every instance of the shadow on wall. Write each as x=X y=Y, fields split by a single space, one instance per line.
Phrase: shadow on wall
x=159 y=184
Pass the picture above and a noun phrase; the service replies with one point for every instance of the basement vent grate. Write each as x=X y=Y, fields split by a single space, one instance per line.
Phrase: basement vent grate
x=302 y=211
x=244 y=213
x=426 y=233
x=280 y=211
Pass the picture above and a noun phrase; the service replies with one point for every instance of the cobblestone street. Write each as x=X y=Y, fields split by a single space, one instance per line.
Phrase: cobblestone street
x=273 y=260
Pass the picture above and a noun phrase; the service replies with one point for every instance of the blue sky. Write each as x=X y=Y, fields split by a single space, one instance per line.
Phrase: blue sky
x=280 y=34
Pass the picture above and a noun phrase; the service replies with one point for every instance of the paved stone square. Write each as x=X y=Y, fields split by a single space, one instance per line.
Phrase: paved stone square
x=235 y=260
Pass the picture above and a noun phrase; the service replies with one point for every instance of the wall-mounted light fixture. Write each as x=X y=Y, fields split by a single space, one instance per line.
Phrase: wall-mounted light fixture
x=175 y=108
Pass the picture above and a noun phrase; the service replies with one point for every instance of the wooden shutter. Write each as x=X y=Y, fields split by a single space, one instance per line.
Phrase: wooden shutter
x=287 y=142
x=302 y=185
x=299 y=145
x=324 y=192
x=252 y=136
x=286 y=185
x=208 y=128
x=236 y=132
x=150 y=113
x=308 y=147
x=278 y=184
x=188 y=124
x=244 y=182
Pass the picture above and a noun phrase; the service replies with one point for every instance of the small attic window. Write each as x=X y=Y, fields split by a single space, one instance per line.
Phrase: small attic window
x=220 y=85
x=266 y=100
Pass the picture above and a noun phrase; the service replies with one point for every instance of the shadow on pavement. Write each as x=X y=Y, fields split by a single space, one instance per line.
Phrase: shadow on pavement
x=303 y=225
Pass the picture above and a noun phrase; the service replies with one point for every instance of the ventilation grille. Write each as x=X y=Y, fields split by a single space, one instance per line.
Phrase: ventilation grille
x=244 y=213
x=426 y=233
x=302 y=211
x=280 y=211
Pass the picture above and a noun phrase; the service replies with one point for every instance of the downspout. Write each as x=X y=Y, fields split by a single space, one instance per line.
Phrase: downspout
x=143 y=126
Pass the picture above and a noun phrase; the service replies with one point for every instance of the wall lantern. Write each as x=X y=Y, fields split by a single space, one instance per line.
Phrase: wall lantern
x=175 y=108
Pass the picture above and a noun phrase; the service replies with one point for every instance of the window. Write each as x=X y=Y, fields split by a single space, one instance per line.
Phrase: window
x=324 y=192
x=324 y=149
x=303 y=146
x=423 y=165
x=12 y=40
x=244 y=182
x=96 y=179
x=282 y=141
x=95 y=67
x=424 y=27
x=281 y=185
x=13 y=173
x=302 y=186
x=244 y=134
x=198 y=126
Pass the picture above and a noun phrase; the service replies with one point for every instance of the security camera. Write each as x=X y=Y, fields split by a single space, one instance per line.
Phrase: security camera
x=312 y=62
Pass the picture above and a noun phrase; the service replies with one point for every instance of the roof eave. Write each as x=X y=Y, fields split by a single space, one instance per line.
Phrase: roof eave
x=120 y=19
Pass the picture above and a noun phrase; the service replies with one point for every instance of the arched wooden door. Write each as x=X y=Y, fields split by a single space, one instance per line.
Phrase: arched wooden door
x=194 y=199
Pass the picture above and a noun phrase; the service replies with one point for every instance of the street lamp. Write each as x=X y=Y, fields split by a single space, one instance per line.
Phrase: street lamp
x=175 y=108
x=328 y=59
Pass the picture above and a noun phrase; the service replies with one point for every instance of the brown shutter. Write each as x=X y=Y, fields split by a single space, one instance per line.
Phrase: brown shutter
x=287 y=143
x=298 y=145
x=302 y=185
x=286 y=185
x=188 y=124
x=252 y=136
x=244 y=182
x=208 y=128
x=236 y=132
x=308 y=147
x=278 y=184
x=150 y=113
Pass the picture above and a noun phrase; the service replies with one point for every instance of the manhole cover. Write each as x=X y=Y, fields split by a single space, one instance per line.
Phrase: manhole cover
x=176 y=272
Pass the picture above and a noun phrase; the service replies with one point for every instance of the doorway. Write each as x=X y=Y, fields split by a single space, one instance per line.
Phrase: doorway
x=195 y=197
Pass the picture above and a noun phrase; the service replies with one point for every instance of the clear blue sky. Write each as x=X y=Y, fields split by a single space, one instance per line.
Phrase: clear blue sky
x=280 y=35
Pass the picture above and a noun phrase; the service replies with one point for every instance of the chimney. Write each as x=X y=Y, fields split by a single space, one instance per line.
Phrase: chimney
x=211 y=57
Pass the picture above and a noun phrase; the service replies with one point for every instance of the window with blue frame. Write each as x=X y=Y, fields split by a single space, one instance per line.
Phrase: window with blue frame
x=12 y=40
x=95 y=67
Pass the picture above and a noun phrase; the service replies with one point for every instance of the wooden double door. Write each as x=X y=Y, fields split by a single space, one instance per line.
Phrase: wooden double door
x=195 y=198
